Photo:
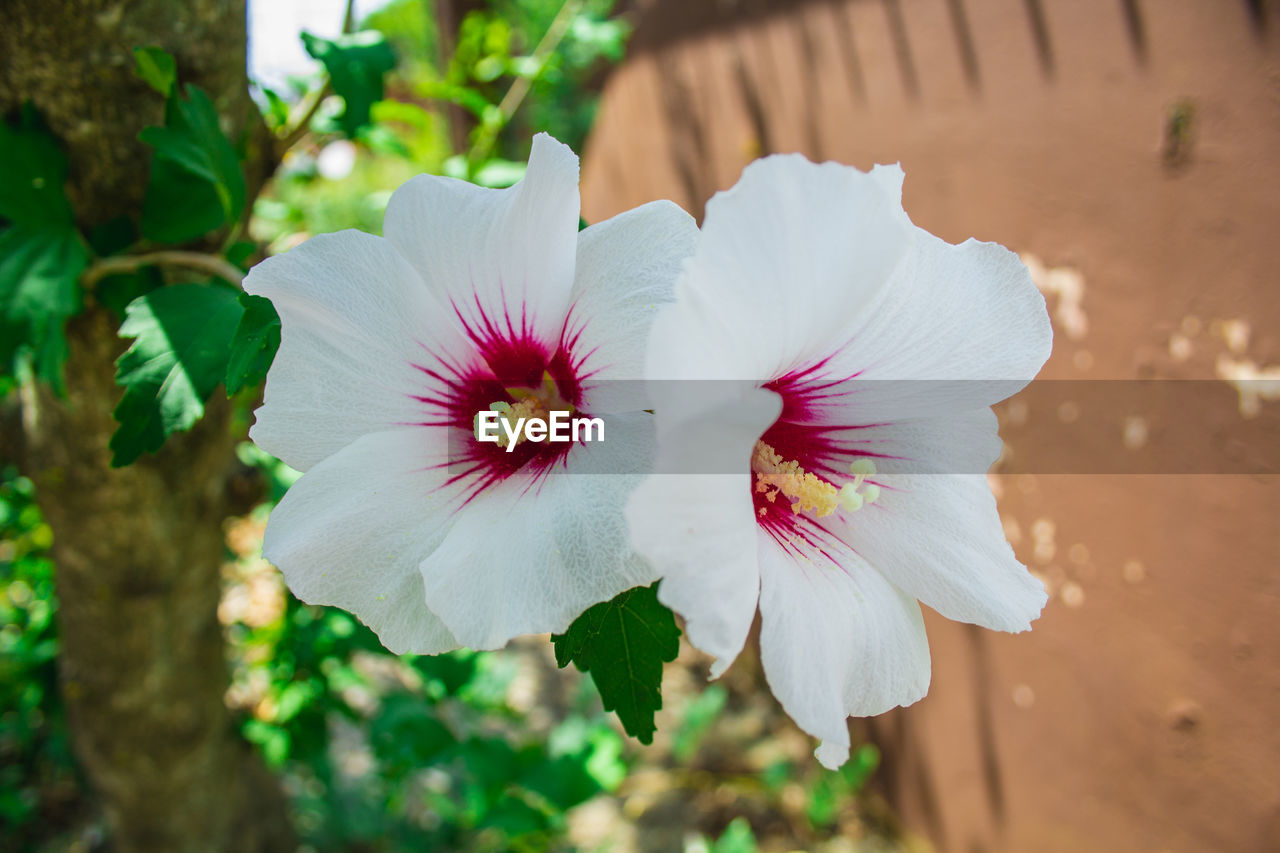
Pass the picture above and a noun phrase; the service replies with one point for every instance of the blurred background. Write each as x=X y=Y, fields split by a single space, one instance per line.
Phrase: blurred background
x=1126 y=148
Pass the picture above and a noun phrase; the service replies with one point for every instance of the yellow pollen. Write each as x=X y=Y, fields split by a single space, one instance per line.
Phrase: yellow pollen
x=809 y=492
x=535 y=404
x=806 y=491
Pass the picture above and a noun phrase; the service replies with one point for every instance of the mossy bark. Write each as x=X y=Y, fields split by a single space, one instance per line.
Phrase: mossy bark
x=138 y=550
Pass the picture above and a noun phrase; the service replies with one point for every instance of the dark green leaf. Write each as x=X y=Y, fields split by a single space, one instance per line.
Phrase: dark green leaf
x=405 y=736
x=356 y=64
x=255 y=343
x=451 y=671
x=240 y=252
x=623 y=643
x=515 y=818
x=564 y=781
x=182 y=335
x=39 y=269
x=156 y=68
x=112 y=237
x=179 y=206
x=32 y=172
x=117 y=291
x=192 y=155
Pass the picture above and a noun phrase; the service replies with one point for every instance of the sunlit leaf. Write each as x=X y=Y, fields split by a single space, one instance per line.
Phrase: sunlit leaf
x=156 y=67
x=356 y=64
x=182 y=335
x=196 y=184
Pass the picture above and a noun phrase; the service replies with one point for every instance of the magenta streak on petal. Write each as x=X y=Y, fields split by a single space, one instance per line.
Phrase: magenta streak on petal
x=569 y=343
x=503 y=356
x=820 y=447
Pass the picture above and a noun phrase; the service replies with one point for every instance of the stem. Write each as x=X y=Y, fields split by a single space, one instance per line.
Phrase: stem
x=300 y=127
x=303 y=125
x=520 y=87
x=212 y=264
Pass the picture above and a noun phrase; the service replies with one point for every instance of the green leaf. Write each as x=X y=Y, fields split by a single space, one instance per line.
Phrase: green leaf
x=196 y=182
x=39 y=272
x=277 y=112
x=179 y=206
x=356 y=64
x=33 y=170
x=564 y=781
x=156 y=67
x=737 y=838
x=182 y=335
x=255 y=343
x=405 y=736
x=623 y=643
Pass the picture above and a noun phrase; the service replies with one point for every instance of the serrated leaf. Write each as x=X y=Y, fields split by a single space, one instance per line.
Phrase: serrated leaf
x=39 y=290
x=195 y=174
x=33 y=170
x=356 y=64
x=156 y=67
x=255 y=343
x=623 y=644
x=182 y=335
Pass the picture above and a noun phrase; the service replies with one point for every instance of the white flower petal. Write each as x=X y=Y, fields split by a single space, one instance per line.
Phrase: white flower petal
x=788 y=258
x=503 y=258
x=528 y=556
x=353 y=530
x=837 y=641
x=352 y=313
x=698 y=529
x=960 y=443
x=939 y=538
x=626 y=270
x=966 y=319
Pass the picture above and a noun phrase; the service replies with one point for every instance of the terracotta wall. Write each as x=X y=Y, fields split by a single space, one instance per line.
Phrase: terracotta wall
x=1133 y=148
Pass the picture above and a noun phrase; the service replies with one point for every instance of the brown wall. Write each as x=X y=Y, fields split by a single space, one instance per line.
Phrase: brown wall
x=1136 y=145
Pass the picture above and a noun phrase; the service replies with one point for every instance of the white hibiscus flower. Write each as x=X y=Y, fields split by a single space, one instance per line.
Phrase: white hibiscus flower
x=848 y=488
x=390 y=346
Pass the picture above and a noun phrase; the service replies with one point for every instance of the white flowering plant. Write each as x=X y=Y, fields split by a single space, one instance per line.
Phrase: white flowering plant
x=810 y=336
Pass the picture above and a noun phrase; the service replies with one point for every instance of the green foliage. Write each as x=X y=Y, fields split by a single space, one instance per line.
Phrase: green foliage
x=736 y=838
x=38 y=777
x=156 y=68
x=696 y=722
x=39 y=271
x=561 y=99
x=41 y=254
x=356 y=64
x=33 y=170
x=623 y=643
x=196 y=185
x=443 y=760
x=832 y=788
x=254 y=345
x=182 y=335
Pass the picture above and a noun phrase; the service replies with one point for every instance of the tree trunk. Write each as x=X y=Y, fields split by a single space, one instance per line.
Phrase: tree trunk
x=137 y=549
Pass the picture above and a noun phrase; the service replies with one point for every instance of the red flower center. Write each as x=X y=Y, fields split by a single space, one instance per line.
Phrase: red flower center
x=508 y=364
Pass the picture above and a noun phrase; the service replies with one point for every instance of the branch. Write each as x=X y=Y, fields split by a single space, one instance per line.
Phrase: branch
x=117 y=264
x=300 y=128
x=516 y=94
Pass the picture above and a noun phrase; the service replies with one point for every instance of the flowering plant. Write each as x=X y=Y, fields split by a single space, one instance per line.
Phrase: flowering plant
x=857 y=357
